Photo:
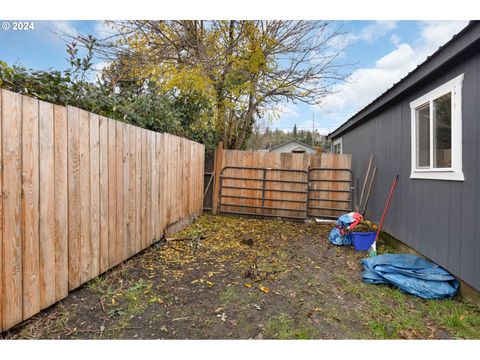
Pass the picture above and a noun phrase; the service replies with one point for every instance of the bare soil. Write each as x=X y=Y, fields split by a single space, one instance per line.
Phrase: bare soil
x=240 y=278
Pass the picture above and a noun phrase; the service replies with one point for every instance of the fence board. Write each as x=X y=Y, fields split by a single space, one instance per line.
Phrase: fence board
x=86 y=251
x=200 y=175
x=12 y=237
x=131 y=190
x=94 y=194
x=156 y=187
x=138 y=189
x=143 y=219
x=112 y=193
x=120 y=194
x=104 y=195
x=47 y=205
x=30 y=206
x=126 y=192
x=73 y=198
x=150 y=153
x=61 y=202
x=163 y=182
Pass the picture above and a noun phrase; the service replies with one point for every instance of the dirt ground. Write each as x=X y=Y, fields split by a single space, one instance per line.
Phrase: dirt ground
x=241 y=278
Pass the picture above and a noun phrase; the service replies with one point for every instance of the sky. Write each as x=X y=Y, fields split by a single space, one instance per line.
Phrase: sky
x=382 y=52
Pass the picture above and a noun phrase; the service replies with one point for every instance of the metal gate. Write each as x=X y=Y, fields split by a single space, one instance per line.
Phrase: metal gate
x=264 y=192
x=285 y=193
x=340 y=191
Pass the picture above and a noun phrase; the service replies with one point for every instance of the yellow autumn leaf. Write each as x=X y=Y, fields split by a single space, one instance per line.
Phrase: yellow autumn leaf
x=157 y=300
x=264 y=289
x=247 y=285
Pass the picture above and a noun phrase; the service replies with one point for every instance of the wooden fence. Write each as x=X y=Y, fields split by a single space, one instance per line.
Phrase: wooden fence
x=252 y=183
x=80 y=194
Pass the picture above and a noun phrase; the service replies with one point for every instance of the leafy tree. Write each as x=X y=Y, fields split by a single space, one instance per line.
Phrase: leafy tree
x=241 y=69
x=139 y=104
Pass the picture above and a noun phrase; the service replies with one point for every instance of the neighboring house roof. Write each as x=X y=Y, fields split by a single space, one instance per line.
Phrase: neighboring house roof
x=458 y=44
x=293 y=141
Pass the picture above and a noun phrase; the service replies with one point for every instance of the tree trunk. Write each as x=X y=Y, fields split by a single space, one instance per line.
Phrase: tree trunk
x=247 y=124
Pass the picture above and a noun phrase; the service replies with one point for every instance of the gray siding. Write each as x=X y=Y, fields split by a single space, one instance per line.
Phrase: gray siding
x=436 y=217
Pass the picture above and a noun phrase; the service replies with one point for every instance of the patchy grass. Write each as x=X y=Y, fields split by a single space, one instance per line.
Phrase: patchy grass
x=239 y=278
x=281 y=327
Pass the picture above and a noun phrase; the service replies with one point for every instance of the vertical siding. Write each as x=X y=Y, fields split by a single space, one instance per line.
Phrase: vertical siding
x=435 y=217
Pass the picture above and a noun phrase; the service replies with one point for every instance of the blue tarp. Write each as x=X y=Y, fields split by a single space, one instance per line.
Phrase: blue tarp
x=412 y=274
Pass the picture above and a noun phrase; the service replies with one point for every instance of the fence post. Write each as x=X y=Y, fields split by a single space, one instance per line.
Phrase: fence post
x=217 y=169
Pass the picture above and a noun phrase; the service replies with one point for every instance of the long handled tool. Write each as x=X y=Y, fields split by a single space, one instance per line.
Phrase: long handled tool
x=372 y=251
x=359 y=205
x=369 y=191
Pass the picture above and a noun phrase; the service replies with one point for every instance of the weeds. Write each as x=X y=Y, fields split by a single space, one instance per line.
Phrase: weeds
x=281 y=327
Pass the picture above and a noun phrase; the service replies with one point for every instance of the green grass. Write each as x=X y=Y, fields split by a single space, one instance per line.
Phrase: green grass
x=461 y=318
x=281 y=327
x=390 y=313
x=228 y=296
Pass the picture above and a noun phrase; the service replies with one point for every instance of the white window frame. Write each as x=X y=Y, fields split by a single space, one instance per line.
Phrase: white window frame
x=337 y=142
x=454 y=172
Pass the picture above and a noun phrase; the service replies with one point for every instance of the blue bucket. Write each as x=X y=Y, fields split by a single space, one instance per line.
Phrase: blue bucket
x=363 y=240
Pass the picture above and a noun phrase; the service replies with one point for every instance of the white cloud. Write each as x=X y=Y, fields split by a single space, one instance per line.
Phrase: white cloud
x=104 y=29
x=395 y=39
x=376 y=30
x=369 y=33
x=288 y=109
x=436 y=33
x=366 y=84
x=285 y=111
x=64 y=28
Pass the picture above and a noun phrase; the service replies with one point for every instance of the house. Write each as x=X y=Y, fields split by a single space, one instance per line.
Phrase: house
x=294 y=146
x=426 y=128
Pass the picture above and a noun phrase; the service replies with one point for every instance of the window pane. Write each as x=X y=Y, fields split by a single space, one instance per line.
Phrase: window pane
x=336 y=148
x=423 y=136
x=442 y=131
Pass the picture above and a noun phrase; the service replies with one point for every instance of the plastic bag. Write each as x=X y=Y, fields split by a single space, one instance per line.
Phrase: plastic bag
x=340 y=234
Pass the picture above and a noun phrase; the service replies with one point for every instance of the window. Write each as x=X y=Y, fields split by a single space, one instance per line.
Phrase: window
x=437 y=133
x=337 y=146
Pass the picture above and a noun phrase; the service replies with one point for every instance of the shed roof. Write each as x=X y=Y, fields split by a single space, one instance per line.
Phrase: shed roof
x=457 y=45
x=291 y=141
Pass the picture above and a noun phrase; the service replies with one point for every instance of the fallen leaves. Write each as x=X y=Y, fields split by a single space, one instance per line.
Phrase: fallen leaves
x=263 y=289
x=192 y=290
x=156 y=300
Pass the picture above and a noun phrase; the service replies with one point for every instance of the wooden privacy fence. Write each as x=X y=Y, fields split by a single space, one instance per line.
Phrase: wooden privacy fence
x=80 y=194
x=286 y=185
